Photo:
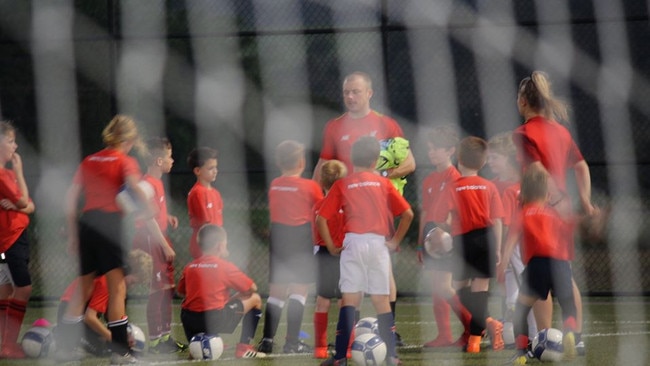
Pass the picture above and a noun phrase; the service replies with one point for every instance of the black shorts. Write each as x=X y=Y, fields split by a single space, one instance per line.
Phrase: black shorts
x=474 y=255
x=542 y=275
x=100 y=242
x=17 y=258
x=291 y=254
x=444 y=264
x=213 y=322
x=329 y=274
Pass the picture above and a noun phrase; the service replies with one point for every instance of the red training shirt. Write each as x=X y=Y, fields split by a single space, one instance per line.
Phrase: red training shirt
x=99 y=298
x=12 y=223
x=206 y=283
x=550 y=143
x=291 y=200
x=369 y=202
x=542 y=230
x=433 y=186
x=341 y=133
x=204 y=206
x=474 y=204
x=101 y=175
x=335 y=225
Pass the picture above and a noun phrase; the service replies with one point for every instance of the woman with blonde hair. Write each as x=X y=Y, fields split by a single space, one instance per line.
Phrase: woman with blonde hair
x=96 y=235
x=544 y=142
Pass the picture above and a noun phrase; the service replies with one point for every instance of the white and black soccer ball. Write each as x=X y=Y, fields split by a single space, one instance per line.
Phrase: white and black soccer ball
x=547 y=345
x=368 y=325
x=369 y=350
x=206 y=347
x=137 y=340
x=438 y=243
x=38 y=342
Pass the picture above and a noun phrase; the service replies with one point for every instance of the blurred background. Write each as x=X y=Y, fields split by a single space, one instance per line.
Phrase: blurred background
x=242 y=75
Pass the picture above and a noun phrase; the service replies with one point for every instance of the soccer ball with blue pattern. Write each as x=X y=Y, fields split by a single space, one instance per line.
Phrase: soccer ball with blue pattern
x=369 y=350
x=547 y=345
x=206 y=347
x=368 y=325
x=38 y=342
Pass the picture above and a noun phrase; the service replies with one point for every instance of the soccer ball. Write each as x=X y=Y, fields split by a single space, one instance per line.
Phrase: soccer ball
x=206 y=347
x=438 y=242
x=127 y=201
x=368 y=349
x=547 y=345
x=136 y=338
x=367 y=325
x=38 y=342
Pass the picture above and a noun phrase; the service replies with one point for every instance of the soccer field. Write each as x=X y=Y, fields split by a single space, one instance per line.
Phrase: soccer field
x=616 y=332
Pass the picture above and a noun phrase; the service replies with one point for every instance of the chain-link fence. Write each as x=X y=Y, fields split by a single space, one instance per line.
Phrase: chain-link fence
x=282 y=63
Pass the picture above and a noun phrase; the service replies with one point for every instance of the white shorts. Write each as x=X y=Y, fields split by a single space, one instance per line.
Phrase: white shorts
x=5 y=275
x=365 y=264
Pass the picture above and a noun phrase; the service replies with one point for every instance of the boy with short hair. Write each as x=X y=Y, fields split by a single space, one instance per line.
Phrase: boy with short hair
x=159 y=305
x=206 y=284
x=441 y=141
x=204 y=203
x=292 y=263
x=368 y=201
x=476 y=211
x=548 y=267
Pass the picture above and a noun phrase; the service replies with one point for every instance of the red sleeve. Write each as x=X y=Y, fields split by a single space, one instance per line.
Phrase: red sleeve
x=99 y=298
x=395 y=129
x=496 y=206
x=237 y=279
x=8 y=187
x=575 y=156
x=196 y=207
x=331 y=202
x=180 y=288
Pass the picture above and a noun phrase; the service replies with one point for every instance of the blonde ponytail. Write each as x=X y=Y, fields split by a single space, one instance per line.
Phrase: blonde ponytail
x=537 y=91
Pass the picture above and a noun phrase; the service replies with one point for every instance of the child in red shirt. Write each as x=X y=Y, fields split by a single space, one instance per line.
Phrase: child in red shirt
x=204 y=203
x=475 y=208
x=15 y=206
x=96 y=235
x=159 y=304
x=547 y=259
x=329 y=272
x=369 y=203
x=96 y=335
x=441 y=141
x=206 y=284
x=292 y=263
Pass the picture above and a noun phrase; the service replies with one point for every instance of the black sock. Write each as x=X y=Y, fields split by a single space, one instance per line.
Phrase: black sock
x=272 y=316
x=249 y=325
x=344 y=330
x=119 y=337
x=295 y=311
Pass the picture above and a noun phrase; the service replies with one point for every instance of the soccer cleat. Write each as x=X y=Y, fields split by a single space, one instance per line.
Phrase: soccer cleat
x=12 y=350
x=439 y=342
x=245 y=350
x=265 y=346
x=474 y=344
x=569 y=343
x=125 y=359
x=495 y=330
x=296 y=347
x=321 y=352
x=169 y=346
x=334 y=362
x=519 y=358
x=580 y=348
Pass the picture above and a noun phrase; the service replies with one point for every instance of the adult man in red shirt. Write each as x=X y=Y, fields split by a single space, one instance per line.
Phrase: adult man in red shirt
x=360 y=120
